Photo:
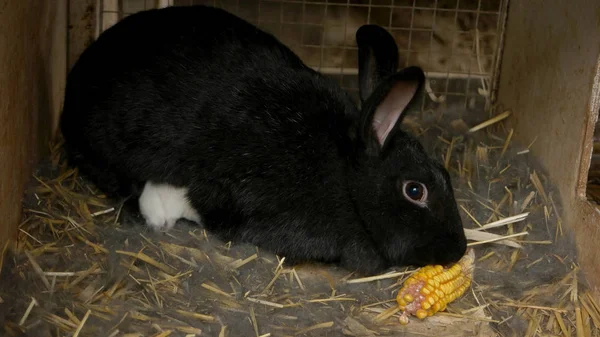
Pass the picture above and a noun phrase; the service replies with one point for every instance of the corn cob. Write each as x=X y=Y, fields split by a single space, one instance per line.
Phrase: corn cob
x=432 y=287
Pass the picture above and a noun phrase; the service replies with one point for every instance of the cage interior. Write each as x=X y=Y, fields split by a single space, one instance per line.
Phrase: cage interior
x=92 y=267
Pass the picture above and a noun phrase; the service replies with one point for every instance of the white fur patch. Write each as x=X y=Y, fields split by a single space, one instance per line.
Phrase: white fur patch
x=163 y=204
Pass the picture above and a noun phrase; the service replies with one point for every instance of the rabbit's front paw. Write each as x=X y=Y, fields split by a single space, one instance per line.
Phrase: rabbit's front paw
x=163 y=204
x=363 y=258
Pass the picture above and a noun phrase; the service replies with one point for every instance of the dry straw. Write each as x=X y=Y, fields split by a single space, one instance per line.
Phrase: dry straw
x=68 y=218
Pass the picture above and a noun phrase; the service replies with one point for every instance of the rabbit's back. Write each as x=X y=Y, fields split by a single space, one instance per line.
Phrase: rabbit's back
x=183 y=33
x=178 y=93
x=170 y=53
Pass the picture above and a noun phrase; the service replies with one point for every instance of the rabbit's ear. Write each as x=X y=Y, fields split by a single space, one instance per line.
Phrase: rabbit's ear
x=377 y=58
x=385 y=108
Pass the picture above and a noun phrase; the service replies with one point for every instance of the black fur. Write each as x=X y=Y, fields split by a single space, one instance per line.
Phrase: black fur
x=272 y=152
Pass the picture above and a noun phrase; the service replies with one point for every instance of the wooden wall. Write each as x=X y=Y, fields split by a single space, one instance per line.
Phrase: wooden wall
x=549 y=78
x=33 y=49
x=82 y=27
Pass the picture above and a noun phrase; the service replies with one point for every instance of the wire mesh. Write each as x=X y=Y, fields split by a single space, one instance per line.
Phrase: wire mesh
x=455 y=41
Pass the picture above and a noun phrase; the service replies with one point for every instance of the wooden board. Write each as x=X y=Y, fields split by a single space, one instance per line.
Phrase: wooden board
x=33 y=58
x=549 y=79
x=82 y=27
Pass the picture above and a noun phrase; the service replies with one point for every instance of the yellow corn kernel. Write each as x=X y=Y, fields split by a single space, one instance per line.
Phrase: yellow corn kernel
x=431 y=288
x=421 y=314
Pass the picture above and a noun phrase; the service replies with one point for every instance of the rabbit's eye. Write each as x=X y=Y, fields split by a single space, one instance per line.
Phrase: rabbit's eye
x=415 y=192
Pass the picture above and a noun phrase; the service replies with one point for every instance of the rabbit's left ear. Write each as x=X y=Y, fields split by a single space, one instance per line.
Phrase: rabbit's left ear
x=377 y=58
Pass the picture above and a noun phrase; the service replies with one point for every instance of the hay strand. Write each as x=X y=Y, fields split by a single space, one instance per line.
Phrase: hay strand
x=484 y=237
x=323 y=325
x=265 y=302
x=38 y=270
x=378 y=277
x=82 y=323
x=28 y=311
x=500 y=238
x=149 y=260
x=215 y=290
x=491 y=121
x=195 y=315
x=504 y=222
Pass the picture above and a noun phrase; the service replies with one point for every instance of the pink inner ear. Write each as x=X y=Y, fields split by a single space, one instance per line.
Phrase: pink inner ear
x=389 y=110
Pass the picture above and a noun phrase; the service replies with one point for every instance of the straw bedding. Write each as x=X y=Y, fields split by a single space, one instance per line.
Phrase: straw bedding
x=85 y=266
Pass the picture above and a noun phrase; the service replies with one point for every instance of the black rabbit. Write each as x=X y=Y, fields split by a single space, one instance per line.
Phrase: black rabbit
x=216 y=121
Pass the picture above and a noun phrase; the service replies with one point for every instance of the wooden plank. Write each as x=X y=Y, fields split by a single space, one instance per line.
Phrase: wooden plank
x=549 y=78
x=82 y=27
x=33 y=58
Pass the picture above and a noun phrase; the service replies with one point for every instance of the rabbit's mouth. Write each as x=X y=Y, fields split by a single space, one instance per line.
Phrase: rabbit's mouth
x=469 y=251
